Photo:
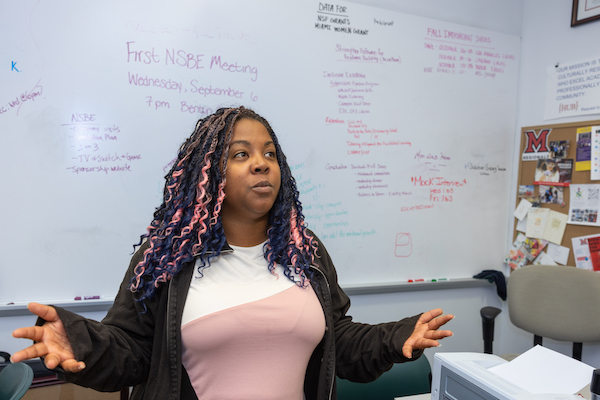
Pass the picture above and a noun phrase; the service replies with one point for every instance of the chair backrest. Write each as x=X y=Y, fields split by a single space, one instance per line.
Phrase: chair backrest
x=406 y=379
x=556 y=302
x=15 y=380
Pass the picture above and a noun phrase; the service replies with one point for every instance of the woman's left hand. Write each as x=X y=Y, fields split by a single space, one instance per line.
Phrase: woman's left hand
x=426 y=332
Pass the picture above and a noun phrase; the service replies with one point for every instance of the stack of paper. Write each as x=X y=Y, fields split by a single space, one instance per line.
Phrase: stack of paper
x=541 y=370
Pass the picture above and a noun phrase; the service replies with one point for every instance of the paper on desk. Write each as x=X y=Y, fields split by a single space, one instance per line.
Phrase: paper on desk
x=541 y=370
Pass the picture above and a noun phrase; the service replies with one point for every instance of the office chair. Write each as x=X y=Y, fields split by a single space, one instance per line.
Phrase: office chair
x=15 y=380
x=555 y=302
x=406 y=379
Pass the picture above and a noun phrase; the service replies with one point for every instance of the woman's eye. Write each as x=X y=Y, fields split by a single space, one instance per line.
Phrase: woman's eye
x=270 y=154
x=239 y=154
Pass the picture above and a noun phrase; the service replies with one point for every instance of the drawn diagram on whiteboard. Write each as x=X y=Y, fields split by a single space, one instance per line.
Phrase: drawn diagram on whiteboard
x=403 y=245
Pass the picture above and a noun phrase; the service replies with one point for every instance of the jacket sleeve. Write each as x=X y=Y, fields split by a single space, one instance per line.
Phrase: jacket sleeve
x=117 y=350
x=363 y=351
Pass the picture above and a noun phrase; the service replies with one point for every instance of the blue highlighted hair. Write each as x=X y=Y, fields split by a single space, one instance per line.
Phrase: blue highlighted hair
x=187 y=224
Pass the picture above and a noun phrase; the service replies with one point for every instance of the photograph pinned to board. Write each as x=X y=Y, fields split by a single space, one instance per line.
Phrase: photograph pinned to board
x=581 y=251
x=552 y=195
x=534 y=200
x=559 y=149
x=595 y=171
x=584 y=203
x=583 y=156
x=526 y=190
x=516 y=258
x=552 y=171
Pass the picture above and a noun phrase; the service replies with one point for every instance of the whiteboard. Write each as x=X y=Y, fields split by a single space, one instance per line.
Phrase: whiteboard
x=398 y=129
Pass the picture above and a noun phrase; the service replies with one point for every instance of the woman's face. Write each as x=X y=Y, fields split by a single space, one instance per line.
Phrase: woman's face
x=253 y=175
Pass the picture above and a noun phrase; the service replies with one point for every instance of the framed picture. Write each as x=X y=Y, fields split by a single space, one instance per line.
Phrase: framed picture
x=585 y=11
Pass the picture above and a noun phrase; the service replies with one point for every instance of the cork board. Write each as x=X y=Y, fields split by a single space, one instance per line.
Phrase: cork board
x=558 y=132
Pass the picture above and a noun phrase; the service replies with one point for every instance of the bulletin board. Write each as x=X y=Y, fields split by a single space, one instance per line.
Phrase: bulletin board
x=558 y=132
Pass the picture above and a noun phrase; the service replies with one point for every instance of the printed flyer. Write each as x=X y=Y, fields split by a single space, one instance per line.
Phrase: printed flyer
x=583 y=157
x=557 y=173
x=584 y=204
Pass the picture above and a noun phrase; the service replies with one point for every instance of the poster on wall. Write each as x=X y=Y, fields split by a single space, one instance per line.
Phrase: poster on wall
x=573 y=89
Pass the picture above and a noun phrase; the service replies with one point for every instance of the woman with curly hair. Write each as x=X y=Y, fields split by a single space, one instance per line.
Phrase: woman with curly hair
x=229 y=296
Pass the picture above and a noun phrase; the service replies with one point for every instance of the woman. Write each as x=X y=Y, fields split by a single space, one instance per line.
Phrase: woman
x=229 y=296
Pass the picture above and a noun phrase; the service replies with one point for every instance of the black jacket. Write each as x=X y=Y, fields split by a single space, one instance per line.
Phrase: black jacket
x=143 y=349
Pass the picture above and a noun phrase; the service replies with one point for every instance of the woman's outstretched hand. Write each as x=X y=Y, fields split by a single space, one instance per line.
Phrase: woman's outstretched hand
x=426 y=333
x=51 y=341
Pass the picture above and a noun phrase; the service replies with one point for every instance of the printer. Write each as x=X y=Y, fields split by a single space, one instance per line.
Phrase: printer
x=466 y=376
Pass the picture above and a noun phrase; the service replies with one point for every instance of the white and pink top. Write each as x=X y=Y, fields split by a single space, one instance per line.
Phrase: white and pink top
x=246 y=333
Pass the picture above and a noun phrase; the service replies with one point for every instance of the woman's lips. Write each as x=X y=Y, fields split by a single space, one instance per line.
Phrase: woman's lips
x=263 y=187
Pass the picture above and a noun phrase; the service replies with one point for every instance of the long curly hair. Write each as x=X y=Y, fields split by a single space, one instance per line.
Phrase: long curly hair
x=187 y=225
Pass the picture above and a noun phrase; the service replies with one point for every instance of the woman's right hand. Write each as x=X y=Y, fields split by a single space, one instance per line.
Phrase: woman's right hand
x=51 y=341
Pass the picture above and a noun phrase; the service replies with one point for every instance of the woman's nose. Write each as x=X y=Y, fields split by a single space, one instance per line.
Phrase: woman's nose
x=260 y=165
